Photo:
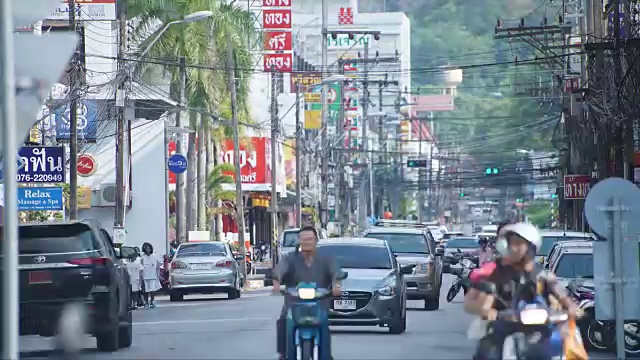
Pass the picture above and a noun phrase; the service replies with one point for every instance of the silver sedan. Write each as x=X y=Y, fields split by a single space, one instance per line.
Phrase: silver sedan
x=204 y=268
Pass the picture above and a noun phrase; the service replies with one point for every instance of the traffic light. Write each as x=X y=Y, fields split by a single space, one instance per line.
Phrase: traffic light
x=416 y=164
x=461 y=194
x=519 y=200
x=492 y=171
x=554 y=196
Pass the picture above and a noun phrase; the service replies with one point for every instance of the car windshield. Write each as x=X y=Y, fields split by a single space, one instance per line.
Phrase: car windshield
x=462 y=243
x=290 y=239
x=549 y=241
x=201 y=250
x=55 y=239
x=404 y=243
x=358 y=256
x=575 y=266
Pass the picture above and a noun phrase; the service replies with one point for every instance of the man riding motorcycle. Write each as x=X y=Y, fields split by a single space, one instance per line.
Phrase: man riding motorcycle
x=307 y=266
x=516 y=247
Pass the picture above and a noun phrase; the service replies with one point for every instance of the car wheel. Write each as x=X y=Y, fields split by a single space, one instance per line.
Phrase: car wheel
x=432 y=304
x=235 y=292
x=107 y=340
x=399 y=326
x=175 y=296
x=125 y=331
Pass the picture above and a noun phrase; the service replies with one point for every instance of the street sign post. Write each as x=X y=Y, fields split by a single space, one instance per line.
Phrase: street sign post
x=177 y=164
x=612 y=209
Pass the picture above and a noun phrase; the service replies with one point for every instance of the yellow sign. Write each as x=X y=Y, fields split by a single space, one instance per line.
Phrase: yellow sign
x=84 y=197
x=312 y=119
x=313 y=97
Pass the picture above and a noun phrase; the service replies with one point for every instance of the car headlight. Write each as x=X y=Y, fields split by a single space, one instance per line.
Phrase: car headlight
x=388 y=287
x=423 y=268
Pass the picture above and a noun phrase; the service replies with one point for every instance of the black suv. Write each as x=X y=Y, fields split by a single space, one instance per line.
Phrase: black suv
x=73 y=262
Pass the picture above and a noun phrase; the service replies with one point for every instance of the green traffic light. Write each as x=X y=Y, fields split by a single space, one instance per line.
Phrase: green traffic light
x=487 y=171
x=495 y=171
x=461 y=194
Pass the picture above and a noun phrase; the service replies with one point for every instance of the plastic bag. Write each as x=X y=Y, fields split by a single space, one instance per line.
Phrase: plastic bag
x=573 y=346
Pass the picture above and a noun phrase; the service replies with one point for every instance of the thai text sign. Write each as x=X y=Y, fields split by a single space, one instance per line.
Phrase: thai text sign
x=278 y=62
x=87 y=10
x=42 y=164
x=87 y=119
x=576 y=186
x=278 y=41
x=253 y=159
x=276 y=19
x=302 y=81
x=276 y=3
x=34 y=199
x=343 y=42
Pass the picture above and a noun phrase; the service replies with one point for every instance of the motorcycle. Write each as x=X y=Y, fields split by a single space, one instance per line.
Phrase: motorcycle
x=530 y=331
x=601 y=335
x=462 y=274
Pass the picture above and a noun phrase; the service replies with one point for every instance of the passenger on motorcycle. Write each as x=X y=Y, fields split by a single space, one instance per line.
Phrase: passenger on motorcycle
x=516 y=248
x=484 y=252
x=304 y=266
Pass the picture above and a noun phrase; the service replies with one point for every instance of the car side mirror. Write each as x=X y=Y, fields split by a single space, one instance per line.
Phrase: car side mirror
x=342 y=275
x=439 y=251
x=126 y=252
x=407 y=269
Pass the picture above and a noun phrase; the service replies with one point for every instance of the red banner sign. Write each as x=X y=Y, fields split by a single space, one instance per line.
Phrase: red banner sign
x=276 y=3
x=171 y=149
x=576 y=186
x=253 y=159
x=279 y=62
x=276 y=19
x=278 y=41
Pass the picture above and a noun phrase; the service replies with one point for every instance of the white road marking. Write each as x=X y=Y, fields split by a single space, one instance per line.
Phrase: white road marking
x=196 y=321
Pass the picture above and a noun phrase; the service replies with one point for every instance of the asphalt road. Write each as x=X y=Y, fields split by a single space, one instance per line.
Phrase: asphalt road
x=206 y=327
x=212 y=327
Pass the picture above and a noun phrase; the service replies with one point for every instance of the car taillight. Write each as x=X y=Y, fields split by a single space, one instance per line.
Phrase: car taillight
x=224 y=263
x=90 y=261
x=178 y=265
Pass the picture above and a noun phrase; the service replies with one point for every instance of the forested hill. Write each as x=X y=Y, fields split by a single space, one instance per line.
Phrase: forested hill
x=494 y=96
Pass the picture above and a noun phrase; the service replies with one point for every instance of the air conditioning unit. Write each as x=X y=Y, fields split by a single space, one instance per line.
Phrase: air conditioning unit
x=106 y=196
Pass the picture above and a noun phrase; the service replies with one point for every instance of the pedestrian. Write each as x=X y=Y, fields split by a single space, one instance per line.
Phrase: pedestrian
x=134 y=267
x=150 y=274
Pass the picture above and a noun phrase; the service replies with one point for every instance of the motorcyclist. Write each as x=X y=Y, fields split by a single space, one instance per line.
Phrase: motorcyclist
x=516 y=247
x=307 y=266
x=485 y=252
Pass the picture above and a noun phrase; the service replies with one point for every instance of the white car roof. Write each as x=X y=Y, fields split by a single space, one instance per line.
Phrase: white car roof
x=570 y=234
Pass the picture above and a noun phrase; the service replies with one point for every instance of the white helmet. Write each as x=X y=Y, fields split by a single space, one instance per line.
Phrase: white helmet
x=526 y=231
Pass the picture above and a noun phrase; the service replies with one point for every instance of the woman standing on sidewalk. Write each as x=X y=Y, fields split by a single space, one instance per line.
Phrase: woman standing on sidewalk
x=150 y=274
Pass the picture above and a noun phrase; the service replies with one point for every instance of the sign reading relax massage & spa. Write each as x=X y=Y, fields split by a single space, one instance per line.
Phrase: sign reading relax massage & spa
x=43 y=198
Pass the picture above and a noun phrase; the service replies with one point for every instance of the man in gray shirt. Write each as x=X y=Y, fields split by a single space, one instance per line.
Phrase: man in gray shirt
x=304 y=266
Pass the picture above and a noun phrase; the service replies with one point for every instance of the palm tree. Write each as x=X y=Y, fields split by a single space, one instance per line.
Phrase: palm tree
x=215 y=181
x=203 y=43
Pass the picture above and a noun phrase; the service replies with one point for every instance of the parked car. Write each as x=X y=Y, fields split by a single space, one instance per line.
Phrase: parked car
x=74 y=263
x=572 y=261
x=551 y=237
x=205 y=268
x=413 y=244
x=374 y=293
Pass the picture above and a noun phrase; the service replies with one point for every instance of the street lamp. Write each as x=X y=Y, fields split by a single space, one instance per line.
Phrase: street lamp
x=193 y=17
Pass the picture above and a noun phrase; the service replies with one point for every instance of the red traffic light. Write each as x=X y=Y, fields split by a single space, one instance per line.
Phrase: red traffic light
x=376 y=37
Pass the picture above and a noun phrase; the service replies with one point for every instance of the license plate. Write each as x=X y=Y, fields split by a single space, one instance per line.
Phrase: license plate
x=39 y=277
x=344 y=304
x=201 y=266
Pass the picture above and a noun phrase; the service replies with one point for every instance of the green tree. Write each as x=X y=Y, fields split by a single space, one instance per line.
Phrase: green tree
x=215 y=181
x=204 y=43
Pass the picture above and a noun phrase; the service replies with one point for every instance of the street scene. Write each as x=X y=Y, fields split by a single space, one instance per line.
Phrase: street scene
x=320 y=179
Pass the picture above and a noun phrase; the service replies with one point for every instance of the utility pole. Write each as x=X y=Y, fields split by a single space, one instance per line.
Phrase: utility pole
x=365 y=126
x=275 y=129
x=430 y=175
x=181 y=225
x=74 y=80
x=383 y=157
x=231 y=74
x=298 y=160
x=324 y=161
x=121 y=101
x=342 y=212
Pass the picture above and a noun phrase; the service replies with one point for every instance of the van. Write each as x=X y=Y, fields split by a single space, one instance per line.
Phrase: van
x=290 y=240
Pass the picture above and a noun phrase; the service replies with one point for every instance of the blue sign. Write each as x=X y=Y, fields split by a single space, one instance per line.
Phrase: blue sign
x=19 y=165
x=42 y=164
x=34 y=199
x=87 y=118
x=177 y=164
